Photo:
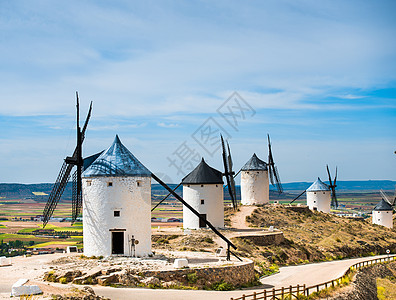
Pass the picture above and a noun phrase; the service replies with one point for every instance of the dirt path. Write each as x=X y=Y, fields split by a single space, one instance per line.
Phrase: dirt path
x=238 y=220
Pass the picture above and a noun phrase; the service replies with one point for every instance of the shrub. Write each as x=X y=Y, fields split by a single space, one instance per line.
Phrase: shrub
x=63 y=280
x=192 y=277
x=208 y=240
x=222 y=286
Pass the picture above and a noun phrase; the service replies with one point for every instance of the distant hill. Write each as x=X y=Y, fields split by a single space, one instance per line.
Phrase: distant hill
x=347 y=186
x=18 y=191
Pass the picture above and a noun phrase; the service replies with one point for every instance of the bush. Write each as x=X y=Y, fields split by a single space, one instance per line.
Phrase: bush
x=63 y=280
x=208 y=240
x=222 y=286
x=192 y=277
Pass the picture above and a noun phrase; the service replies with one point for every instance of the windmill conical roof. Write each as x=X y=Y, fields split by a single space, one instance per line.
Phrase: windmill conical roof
x=203 y=174
x=383 y=205
x=255 y=164
x=117 y=160
x=317 y=186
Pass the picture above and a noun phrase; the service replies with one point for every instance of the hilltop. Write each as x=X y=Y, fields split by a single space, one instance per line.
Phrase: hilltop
x=315 y=236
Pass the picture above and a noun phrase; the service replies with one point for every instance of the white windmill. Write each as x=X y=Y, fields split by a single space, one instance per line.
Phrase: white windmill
x=254 y=182
x=203 y=190
x=117 y=204
x=383 y=211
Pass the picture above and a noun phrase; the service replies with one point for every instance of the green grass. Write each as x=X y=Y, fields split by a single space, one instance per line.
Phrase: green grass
x=2 y=226
x=46 y=244
x=4 y=236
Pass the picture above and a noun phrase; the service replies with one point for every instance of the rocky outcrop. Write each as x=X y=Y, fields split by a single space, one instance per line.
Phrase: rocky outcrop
x=234 y=275
x=364 y=287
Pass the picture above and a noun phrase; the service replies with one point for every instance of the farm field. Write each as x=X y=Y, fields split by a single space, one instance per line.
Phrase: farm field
x=17 y=215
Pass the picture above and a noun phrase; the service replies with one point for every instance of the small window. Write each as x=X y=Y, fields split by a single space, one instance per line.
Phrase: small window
x=324 y=193
x=314 y=201
x=116 y=213
x=314 y=193
x=258 y=172
x=89 y=183
x=110 y=184
x=202 y=201
x=188 y=185
x=217 y=185
x=138 y=183
x=247 y=172
x=201 y=185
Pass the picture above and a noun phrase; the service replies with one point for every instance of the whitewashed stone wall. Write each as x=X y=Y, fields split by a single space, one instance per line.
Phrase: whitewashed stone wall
x=383 y=218
x=100 y=200
x=254 y=187
x=213 y=206
x=321 y=200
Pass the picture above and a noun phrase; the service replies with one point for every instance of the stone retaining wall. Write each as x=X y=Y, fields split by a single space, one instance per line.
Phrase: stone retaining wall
x=234 y=274
x=264 y=240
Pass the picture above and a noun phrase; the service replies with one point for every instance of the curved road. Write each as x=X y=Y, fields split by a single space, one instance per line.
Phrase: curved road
x=309 y=274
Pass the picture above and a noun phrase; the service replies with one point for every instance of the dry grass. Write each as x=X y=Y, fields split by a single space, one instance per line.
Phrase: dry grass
x=386 y=288
x=315 y=236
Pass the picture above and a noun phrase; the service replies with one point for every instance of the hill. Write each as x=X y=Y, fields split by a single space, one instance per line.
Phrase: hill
x=315 y=236
x=19 y=190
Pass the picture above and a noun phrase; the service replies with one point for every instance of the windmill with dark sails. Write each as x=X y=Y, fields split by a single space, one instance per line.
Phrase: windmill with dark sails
x=321 y=196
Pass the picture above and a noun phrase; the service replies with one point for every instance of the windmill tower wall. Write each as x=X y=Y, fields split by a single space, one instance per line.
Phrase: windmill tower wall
x=319 y=200
x=254 y=187
x=116 y=204
x=383 y=218
x=207 y=199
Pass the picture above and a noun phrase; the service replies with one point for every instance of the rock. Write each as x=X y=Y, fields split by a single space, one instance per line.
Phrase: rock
x=151 y=280
x=107 y=279
x=89 y=290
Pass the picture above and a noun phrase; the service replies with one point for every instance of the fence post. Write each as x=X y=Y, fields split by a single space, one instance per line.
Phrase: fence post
x=290 y=291
x=317 y=288
x=283 y=292
x=254 y=296
x=298 y=289
x=243 y=297
x=273 y=293
x=265 y=295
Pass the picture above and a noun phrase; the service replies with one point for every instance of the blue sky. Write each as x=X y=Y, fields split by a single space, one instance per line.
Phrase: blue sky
x=319 y=76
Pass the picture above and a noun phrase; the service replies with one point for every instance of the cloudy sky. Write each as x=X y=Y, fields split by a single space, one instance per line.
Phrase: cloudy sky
x=318 y=76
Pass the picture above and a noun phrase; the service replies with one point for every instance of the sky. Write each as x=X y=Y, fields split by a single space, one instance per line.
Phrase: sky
x=169 y=76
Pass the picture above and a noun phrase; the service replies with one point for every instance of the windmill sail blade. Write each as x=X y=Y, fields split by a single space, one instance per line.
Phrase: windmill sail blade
x=193 y=210
x=328 y=173
x=64 y=174
x=385 y=197
x=271 y=175
x=231 y=175
x=272 y=169
x=277 y=180
x=334 y=201
x=76 y=197
x=297 y=197
x=227 y=173
x=57 y=191
x=166 y=197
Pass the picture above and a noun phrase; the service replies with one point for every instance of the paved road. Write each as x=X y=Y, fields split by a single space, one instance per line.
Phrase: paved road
x=310 y=274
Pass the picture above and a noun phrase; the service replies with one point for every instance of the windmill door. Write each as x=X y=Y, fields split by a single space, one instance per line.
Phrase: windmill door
x=202 y=223
x=117 y=241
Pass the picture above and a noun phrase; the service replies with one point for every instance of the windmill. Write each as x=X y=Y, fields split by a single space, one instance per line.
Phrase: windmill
x=228 y=172
x=382 y=213
x=273 y=170
x=227 y=160
x=64 y=175
x=332 y=185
